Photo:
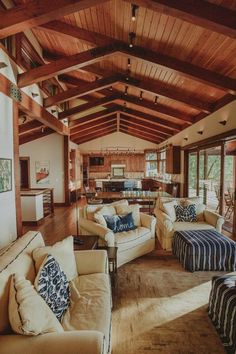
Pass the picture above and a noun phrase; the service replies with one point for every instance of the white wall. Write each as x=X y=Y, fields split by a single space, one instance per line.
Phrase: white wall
x=117 y=139
x=8 y=231
x=49 y=148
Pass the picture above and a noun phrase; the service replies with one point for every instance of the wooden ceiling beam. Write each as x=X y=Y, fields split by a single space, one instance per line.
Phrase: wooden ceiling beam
x=86 y=106
x=94 y=129
x=26 y=138
x=93 y=123
x=141 y=132
x=207 y=15
x=35 y=13
x=164 y=61
x=90 y=117
x=141 y=129
x=29 y=126
x=144 y=125
x=63 y=65
x=83 y=89
x=137 y=135
x=94 y=136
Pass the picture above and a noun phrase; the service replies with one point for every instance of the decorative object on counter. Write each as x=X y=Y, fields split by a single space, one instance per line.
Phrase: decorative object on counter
x=5 y=175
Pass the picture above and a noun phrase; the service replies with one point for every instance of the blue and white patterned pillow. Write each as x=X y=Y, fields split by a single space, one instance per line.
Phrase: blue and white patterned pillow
x=186 y=213
x=119 y=223
x=52 y=285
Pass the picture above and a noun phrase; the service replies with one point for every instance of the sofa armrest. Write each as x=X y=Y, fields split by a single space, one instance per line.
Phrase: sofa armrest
x=92 y=261
x=164 y=220
x=76 y=342
x=149 y=222
x=96 y=229
x=214 y=219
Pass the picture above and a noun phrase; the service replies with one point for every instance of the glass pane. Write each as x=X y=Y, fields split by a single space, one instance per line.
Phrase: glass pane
x=152 y=155
x=192 y=174
x=229 y=185
x=151 y=169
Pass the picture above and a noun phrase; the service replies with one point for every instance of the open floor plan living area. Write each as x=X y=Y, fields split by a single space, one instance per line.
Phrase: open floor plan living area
x=117 y=177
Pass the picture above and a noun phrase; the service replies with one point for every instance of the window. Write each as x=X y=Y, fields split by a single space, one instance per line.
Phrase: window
x=151 y=163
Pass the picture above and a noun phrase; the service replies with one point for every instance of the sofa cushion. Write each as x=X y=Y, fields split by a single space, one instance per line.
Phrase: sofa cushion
x=63 y=252
x=186 y=213
x=16 y=257
x=119 y=223
x=184 y=226
x=134 y=209
x=200 y=207
x=88 y=211
x=161 y=200
x=28 y=312
x=169 y=209
x=52 y=285
x=129 y=239
x=91 y=307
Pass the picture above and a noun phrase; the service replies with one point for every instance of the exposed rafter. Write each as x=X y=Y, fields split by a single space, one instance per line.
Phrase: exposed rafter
x=96 y=135
x=29 y=127
x=92 y=129
x=34 y=13
x=141 y=132
x=90 y=117
x=26 y=138
x=92 y=123
x=137 y=135
x=205 y=14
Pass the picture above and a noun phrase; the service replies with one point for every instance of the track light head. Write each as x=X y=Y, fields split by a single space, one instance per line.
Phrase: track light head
x=200 y=132
x=33 y=94
x=132 y=36
x=141 y=96
x=155 y=101
x=223 y=122
x=134 y=8
x=129 y=63
x=126 y=91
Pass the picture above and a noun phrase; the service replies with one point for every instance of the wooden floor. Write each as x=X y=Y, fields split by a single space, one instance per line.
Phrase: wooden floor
x=158 y=307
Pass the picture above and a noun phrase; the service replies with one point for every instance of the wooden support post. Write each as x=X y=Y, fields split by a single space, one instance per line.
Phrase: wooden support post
x=17 y=168
x=66 y=169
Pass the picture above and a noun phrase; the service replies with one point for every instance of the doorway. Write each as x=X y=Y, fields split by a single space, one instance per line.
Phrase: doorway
x=24 y=173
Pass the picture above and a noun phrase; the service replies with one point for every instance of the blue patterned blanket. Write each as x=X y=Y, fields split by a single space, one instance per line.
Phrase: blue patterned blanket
x=222 y=310
x=204 y=250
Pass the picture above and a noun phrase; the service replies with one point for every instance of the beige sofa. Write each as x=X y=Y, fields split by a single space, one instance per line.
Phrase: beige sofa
x=90 y=328
x=131 y=244
x=166 y=226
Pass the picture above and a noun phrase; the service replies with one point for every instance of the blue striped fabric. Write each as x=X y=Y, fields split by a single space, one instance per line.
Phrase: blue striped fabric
x=204 y=250
x=222 y=310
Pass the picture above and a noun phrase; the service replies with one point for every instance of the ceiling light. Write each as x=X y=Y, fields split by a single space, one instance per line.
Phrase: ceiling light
x=42 y=130
x=186 y=138
x=223 y=122
x=126 y=91
x=155 y=101
x=141 y=96
x=129 y=63
x=34 y=94
x=134 y=8
x=110 y=88
x=200 y=132
x=2 y=65
x=53 y=111
x=132 y=36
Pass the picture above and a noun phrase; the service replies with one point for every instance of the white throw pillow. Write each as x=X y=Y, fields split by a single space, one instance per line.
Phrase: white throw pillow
x=126 y=209
x=169 y=209
x=28 y=312
x=63 y=252
x=99 y=218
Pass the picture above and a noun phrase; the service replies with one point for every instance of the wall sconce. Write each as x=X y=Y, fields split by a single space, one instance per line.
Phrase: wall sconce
x=126 y=91
x=141 y=96
x=156 y=97
x=223 y=122
x=200 y=132
x=134 y=8
x=34 y=94
x=132 y=36
x=129 y=63
x=53 y=111
x=186 y=138
x=2 y=65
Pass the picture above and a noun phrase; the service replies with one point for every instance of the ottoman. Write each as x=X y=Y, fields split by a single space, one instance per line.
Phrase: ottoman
x=222 y=310
x=204 y=250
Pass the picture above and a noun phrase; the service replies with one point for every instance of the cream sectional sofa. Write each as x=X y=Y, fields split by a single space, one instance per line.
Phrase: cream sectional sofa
x=88 y=328
x=131 y=244
x=166 y=227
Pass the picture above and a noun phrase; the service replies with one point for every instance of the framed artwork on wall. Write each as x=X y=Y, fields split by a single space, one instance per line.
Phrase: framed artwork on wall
x=42 y=172
x=5 y=175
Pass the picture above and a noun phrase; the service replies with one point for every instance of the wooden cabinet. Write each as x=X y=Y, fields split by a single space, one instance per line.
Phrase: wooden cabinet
x=173 y=159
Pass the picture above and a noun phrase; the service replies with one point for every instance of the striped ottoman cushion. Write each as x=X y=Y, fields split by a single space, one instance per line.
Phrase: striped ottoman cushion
x=222 y=310
x=204 y=250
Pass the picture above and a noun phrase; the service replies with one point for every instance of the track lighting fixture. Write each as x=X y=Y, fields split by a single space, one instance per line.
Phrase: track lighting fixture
x=134 y=8
x=110 y=88
x=129 y=63
x=33 y=94
x=186 y=138
x=42 y=130
x=53 y=111
x=141 y=96
x=24 y=119
x=132 y=36
x=126 y=91
x=2 y=65
x=200 y=132
x=155 y=101
x=223 y=122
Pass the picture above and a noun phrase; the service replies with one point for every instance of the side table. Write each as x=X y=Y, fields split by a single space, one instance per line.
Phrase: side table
x=89 y=243
x=112 y=260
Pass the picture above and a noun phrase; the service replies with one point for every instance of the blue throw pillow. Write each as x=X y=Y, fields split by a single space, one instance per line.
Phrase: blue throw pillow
x=119 y=223
x=186 y=213
x=52 y=285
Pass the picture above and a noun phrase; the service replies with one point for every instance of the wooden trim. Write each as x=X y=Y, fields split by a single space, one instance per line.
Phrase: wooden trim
x=33 y=109
x=210 y=16
x=222 y=177
x=231 y=134
x=34 y=13
x=29 y=127
x=186 y=174
x=60 y=204
x=66 y=170
x=26 y=158
x=17 y=169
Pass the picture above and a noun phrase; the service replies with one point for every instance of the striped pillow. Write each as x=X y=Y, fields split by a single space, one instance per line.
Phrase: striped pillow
x=186 y=213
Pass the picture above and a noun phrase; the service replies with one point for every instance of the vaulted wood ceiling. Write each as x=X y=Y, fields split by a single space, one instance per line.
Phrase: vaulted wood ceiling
x=182 y=65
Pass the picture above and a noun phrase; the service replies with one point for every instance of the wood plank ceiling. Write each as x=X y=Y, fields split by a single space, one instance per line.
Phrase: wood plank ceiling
x=181 y=67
